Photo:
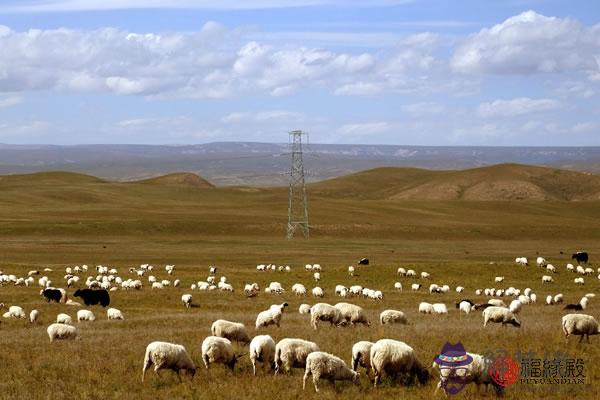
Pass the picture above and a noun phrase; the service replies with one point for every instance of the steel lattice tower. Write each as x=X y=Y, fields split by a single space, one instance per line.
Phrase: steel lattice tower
x=298 y=203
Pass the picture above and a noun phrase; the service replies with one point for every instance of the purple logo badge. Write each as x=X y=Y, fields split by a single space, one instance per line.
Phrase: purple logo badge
x=453 y=363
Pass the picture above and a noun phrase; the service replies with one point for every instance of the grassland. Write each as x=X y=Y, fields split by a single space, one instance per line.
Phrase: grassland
x=57 y=220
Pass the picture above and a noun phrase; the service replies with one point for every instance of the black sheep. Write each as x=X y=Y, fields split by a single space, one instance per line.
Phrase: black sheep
x=576 y=307
x=92 y=297
x=580 y=257
x=52 y=295
x=363 y=261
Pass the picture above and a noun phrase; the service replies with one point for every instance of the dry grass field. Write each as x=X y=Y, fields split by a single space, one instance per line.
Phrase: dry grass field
x=57 y=220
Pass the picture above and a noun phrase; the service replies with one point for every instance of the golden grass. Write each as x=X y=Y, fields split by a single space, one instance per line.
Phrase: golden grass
x=77 y=221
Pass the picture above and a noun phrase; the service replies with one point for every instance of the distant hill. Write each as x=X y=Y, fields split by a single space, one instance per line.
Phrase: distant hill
x=178 y=179
x=267 y=164
x=49 y=178
x=494 y=183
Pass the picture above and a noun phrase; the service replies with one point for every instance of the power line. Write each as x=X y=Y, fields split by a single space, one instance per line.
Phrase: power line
x=297 y=202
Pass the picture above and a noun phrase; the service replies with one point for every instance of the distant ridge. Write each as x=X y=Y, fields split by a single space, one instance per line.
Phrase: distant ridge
x=493 y=183
x=50 y=178
x=178 y=179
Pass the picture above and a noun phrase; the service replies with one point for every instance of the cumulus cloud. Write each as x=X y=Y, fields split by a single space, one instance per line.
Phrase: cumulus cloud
x=517 y=106
x=531 y=43
x=214 y=62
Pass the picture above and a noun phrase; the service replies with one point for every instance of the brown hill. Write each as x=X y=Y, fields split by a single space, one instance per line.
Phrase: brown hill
x=498 y=182
x=179 y=179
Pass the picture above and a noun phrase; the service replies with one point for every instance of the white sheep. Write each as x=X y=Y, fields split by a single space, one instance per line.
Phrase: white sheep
x=33 y=316
x=361 y=355
x=579 y=281
x=14 y=312
x=558 y=298
x=325 y=312
x=292 y=353
x=541 y=262
x=547 y=279
x=318 y=292
x=425 y=275
x=251 y=289
x=497 y=302
x=323 y=365
x=411 y=273
x=398 y=286
x=85 y=315
x=272 y=316
x=499 y=279
x=64 y=319
x=186 y=299
x=549 y=300
x=440 y=308
x=262 y=349
x=500 y=315
x=353 y=314
x=218 y=350
x=580 y=324
x=62 y=332
x=460 y=289
x=401 y=271
x=465 y=306
x=298 y=289
x=351 y=270
x=515 y=306
x=425 y=308
x=114 y=313
x=317 y=276
x=304 y=309
x=388 y=317
x=230 y=330
x=415 y=287
x=392 y=356
x=551 y=268
x=166 y=355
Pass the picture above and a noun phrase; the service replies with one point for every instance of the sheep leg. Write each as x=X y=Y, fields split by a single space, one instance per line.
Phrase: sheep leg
x=306 y=374
x=580 y=338
x=205 y=359
x=254 y=367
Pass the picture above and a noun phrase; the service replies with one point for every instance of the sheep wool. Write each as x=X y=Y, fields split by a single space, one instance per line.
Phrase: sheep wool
x=361 y=355
x=580 y=325
x=392 y=317
x=166 y=355
x=262 y=349
x=292 y=353
x=230 y=330
x=391 y=355
x=218 y=350
x=323 y=365
x=62 y=332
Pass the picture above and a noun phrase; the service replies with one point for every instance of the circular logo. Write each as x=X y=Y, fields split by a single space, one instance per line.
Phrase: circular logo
x=504 y=371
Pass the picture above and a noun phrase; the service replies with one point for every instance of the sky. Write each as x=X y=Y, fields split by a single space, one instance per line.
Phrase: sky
x=403 y=72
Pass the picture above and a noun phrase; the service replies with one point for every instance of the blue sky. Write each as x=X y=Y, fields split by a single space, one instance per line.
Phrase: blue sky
x=418 y=72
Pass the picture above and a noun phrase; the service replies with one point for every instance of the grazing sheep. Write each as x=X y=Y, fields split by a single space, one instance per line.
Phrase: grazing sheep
x=262 y=349
x=499 y=279
x=394 y=357
x=497 y=302
x=521 y=261
x=549 y=300
x=93 y=297
x=14 y=312
x=515 y=306
x=186 y=299
x=398 y=286
x=401 y=271
x=425 y=275
x=439 y=308
x=168 y=356
x=304 y=309
x=476 y=372
x=318 y=292
x=415 y=287
x=558 y=298
x=541 y=262
x=323 y=365
x=85 y=315
x=547 y=279
x=464 y=306
x=62 y=332
x=580 y=324
x=533 y=297
x=351 y=270
x=272 y=316
x=425 y=308
x=114 y=313
x=579 y=281
x=292 y=353
x=325 y=312
x=500 y=315
x=218 y=350
x=460 y=289
x=299 y=290
x=361 y=355
x=230 y=330
x=411 y=273
x=353 y=314
x=64 y=319
x=53 y=294
x=388 y=317
x=317 y=276
x=33 y=316
x=551 y=268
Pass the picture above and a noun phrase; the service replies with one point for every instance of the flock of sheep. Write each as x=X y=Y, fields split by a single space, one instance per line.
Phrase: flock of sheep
x=384 y=356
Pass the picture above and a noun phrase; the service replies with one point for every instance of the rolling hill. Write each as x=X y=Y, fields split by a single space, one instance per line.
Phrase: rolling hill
x=494 y=183
x=178 y=179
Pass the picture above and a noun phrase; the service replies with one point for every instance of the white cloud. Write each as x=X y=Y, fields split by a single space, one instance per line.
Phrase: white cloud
x=584 y=127
x=215 y=62
x=91 y=5
x=424 y=108
x=364 y=128
x=9 y=100
x=263 y=116
x=517 y=106
x=530 y=43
